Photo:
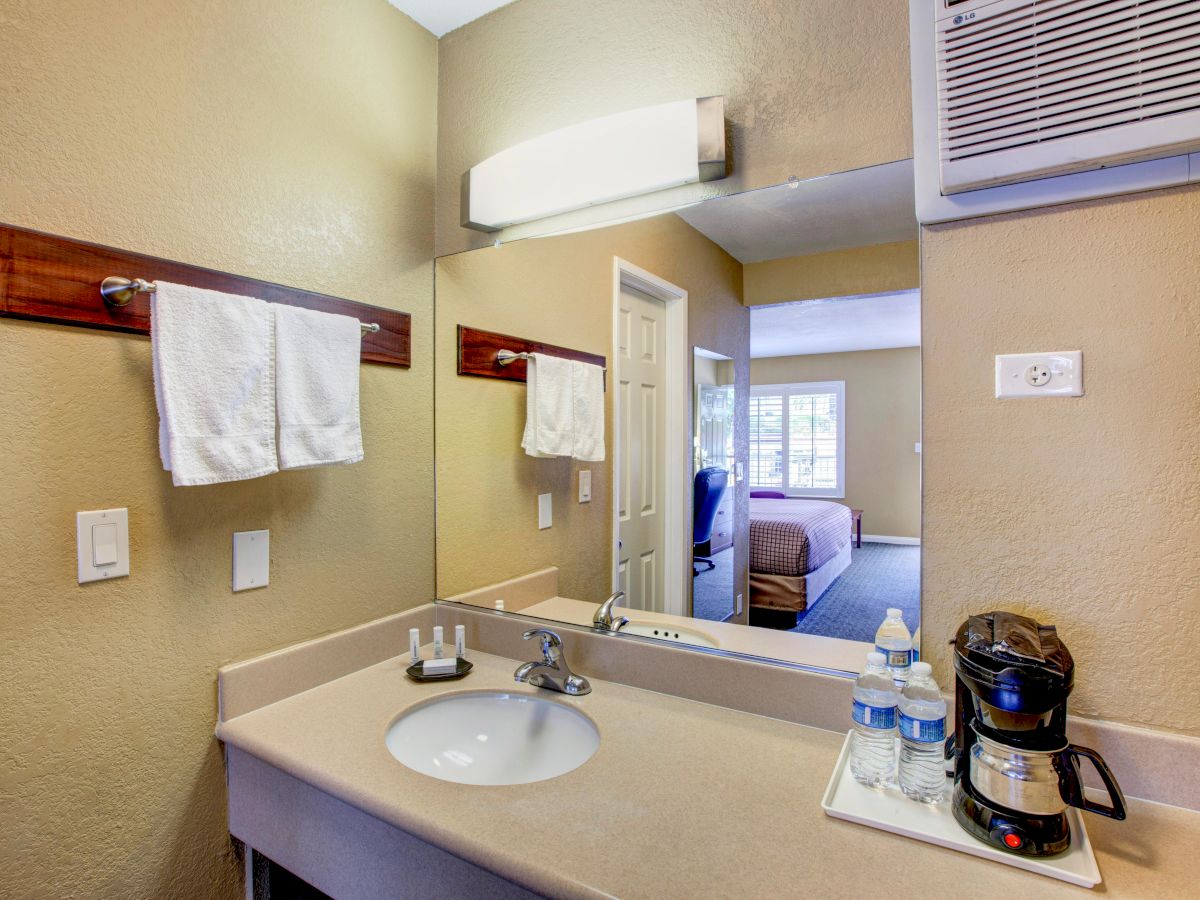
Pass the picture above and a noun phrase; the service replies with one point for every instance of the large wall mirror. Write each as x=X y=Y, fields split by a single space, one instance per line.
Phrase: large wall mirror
x=743 y=377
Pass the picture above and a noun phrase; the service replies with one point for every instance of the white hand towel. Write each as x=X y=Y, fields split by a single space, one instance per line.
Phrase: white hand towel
x=587 y=389
x=549 y=407
x=214 y=384
x=316 y=367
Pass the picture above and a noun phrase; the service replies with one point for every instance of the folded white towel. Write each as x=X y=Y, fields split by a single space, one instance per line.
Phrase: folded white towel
x=587 y=389
x=549 y=407
x=214 y=384
x=316 y=364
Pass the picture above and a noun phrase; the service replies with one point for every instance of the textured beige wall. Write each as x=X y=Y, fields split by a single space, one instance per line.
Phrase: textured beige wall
x=838 y=273
x=290 y=141
x=1081 y=512
x=883 y=422
x=558 y=290
x=810 y=88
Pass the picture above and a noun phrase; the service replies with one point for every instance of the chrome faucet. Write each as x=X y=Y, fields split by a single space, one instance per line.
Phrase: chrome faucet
x=604 y=620
x=552 y=673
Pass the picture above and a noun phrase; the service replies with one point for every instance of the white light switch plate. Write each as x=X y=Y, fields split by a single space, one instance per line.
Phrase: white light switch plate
x=102 y=544
x=251 y=559
x=545 y=513
x=1055 y=374
x=585 y=486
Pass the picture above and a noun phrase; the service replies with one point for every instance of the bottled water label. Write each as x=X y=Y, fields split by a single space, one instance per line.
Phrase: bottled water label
x=874 y=716
x=896 y=659
x=923 y=731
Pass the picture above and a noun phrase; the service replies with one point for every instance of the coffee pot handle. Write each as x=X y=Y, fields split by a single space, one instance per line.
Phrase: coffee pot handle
x=1072 y=783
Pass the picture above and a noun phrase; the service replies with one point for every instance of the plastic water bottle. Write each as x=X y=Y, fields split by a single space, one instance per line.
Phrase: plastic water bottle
x=893 y=641
x=873 y=746
x=922 y=737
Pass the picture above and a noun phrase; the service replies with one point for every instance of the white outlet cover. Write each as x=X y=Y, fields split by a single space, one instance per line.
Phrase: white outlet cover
x=102 y=544
x=251 y=559
x=1066 y=374
x=585 y=486
x=545 y=511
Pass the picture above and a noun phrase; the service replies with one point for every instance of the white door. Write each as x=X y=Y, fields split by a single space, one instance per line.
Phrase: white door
x=641 y=463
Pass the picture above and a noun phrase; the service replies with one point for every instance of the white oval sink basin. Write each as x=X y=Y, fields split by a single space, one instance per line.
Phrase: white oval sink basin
x=665 y=632
x=493 y=737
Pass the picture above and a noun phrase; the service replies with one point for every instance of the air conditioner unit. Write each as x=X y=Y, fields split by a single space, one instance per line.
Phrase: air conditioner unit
x=1020 y=103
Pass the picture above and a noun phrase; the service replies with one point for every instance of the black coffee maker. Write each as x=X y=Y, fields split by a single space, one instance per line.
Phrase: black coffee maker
x=1015 y=772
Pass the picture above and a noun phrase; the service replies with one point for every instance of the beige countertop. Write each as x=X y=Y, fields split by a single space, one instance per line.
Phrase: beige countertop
x=682 y=799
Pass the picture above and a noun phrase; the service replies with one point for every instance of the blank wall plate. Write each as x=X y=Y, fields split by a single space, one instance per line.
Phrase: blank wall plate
x=1054 y=374
x=251 y=559
x=545 y=511
x=102 y=544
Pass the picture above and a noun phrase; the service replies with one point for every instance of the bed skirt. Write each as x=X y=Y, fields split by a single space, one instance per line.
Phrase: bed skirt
x=796 y=593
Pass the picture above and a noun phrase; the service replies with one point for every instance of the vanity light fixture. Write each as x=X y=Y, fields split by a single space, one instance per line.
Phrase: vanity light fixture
x=610 y=158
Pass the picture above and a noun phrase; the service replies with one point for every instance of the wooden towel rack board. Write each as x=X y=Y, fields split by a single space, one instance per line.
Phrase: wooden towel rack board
x=54 y=279
x=479 y=354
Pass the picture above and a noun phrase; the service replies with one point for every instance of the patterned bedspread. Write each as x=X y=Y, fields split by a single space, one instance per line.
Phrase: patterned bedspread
x=795 y=537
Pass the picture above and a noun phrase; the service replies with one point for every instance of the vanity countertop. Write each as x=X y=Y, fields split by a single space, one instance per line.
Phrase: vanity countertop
x=682 y=799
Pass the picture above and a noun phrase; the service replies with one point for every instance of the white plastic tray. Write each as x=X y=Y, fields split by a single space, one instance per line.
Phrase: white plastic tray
x=889 y=810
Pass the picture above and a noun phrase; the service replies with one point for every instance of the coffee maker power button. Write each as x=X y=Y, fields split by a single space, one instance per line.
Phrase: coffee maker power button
x=1013 y=840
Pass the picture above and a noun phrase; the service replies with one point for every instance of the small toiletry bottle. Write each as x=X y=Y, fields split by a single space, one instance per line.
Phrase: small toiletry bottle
x=460 y=641
x=437 y=642
x=414 y=645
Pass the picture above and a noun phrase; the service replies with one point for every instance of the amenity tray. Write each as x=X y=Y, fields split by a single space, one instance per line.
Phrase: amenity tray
x=888 y=809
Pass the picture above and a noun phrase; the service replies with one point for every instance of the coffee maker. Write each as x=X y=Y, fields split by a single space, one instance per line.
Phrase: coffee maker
x=1015 y=771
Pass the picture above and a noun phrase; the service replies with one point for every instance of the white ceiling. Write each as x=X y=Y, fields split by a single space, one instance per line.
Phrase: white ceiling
x=837 y=325
x=851 y=209
x=440 y=16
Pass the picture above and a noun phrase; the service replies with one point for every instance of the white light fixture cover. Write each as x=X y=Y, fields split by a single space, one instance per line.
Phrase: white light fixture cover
x=622 y=155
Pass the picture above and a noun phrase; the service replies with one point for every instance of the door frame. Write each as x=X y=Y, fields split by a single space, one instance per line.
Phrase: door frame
x=678 y=429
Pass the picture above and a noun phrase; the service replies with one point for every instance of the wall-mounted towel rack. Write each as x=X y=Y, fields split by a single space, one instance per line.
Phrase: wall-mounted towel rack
x=118 y=291
x=60 y=280
x=489 y=354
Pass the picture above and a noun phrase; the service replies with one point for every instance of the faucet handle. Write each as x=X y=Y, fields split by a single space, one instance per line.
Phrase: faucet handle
x=551 y=643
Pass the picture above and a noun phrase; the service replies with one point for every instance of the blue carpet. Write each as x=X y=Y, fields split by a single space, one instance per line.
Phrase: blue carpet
x=879 y=576
x=712 y=591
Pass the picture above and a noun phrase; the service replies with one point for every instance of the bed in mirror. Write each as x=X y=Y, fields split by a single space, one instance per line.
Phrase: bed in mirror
x=712 y=414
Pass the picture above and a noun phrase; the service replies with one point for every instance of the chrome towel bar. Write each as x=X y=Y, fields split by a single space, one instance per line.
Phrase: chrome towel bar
x=118 y=291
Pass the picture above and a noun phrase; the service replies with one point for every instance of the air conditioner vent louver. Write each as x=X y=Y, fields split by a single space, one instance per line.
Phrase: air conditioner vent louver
x=1028 y=88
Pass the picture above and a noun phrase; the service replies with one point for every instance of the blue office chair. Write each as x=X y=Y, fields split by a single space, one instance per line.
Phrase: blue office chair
x=706 y=497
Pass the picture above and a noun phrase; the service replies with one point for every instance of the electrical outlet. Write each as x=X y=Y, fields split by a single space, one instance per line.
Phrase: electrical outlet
x=585 y=486
x=1055 y=374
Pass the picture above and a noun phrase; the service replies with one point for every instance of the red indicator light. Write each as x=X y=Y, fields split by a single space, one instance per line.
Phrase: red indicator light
x=1013 y=840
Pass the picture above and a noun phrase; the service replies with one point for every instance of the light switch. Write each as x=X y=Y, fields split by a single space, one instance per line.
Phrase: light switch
x=545 y=513
x=585 y=486
x=251 y=559
x=102 y=544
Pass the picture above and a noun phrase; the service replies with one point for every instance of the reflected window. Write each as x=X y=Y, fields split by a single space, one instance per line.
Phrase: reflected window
x=797 y=438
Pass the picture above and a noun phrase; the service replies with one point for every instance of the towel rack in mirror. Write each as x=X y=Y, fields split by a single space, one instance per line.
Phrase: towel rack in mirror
x=488 y=354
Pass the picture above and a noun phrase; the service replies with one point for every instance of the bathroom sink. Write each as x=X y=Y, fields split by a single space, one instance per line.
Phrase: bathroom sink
x=493 y=737
x=666 y=632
